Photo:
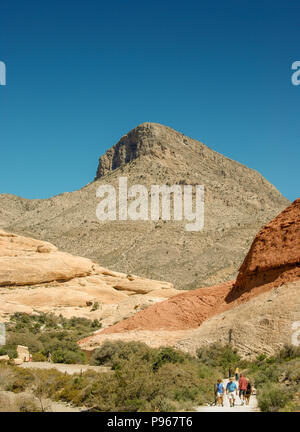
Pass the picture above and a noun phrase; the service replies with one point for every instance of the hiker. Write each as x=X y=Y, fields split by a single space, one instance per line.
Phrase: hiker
x=231 y=391
x=248 y=392
x=49 y=357
x=229 y=372
x=237 y=374
x=243 y=383
x=220 y=392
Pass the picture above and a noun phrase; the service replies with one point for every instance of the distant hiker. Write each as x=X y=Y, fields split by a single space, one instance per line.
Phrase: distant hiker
x=237 y=374
x=30 y=357
x=220 y=392
x=49 y=357
x=248 y=392
x=243 y=383
x=232 y=391
x=229 y=372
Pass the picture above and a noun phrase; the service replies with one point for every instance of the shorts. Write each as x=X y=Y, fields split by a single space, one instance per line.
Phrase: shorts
x=231 y=395
x=220 y=394
x=242 y=393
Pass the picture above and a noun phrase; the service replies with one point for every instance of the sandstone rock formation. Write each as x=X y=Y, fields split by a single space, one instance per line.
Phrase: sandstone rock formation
x=238 y=202
x=274 y=256
x=36 y=277
x=23 y=353
x=4 y=358
x=273 y=261
x=264 y=324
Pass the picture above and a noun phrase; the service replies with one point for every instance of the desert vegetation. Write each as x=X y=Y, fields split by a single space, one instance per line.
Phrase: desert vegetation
x=43 y=333
x=141 y=378
x=277 y=380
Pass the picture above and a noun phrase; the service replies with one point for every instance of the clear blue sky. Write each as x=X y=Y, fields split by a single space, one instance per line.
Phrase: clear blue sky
x=81 y=74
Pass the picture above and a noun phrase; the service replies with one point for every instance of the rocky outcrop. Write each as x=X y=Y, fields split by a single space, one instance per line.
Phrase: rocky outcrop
x=35 y=276
x=274 y=256
x=137 y=142
x=264 y=324
x=273 y=260
x=23 y=353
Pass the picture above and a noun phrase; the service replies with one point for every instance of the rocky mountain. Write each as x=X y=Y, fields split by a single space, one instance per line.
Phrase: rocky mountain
x=36 y=277
x=259 y=310
x=238 y=202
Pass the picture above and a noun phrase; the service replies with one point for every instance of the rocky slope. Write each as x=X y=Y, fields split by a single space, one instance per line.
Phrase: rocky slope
x=36 y=277
x=273 y=261
x=264 y=324
x=238 y=202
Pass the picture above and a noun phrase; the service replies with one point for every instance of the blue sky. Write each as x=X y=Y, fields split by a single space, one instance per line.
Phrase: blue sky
x=81 y=74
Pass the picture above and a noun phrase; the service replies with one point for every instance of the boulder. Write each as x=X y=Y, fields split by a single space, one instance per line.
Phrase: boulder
x=4 y=358
x=17 y=361
x=23 y=353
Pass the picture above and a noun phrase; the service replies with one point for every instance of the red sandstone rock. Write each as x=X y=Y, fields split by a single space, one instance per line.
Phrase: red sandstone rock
x=272 y=260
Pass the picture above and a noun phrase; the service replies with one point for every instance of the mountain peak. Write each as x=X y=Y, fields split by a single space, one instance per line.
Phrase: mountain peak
x=139 y=141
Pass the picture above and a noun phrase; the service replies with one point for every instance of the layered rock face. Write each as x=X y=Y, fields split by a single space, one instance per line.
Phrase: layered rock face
x=136 y=143
x=36 y=277
x=273 y=261
x=263 y=324
x=238 y=202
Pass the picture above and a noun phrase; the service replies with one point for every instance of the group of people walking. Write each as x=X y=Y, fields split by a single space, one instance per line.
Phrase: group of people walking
x=240 y=386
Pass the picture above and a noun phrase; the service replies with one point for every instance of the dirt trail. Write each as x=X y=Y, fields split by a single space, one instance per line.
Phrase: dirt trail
x=64 y=368
x=252 y=407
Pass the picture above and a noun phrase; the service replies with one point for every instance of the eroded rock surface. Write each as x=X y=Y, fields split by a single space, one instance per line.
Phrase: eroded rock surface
x=36 y=277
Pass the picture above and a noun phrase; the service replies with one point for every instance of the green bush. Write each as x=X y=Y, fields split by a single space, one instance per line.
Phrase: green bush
x=289 y=352
x=266 y=374
x=43 y=333
x=216 y=355
x=273 y=397
x=39 y=357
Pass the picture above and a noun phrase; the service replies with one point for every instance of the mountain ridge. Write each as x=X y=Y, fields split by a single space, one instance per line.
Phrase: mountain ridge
x=238 y=202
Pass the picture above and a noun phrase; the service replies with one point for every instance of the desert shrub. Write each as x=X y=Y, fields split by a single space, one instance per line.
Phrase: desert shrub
x=9 y=350
x=291 y=372
x=39 y=357
x=273 y=397
x=110 y=353
x=21 y=380
x=95 y=307
x=67 y=355
x=217 y=355
x=289 y=352
x=266 y=374
x=167 y=355
x=144 y=378
x=26 y=404
x=24 y=338
x=43 y=333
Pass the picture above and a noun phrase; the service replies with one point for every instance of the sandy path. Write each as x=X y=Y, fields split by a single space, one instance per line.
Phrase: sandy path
x=64 y=368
